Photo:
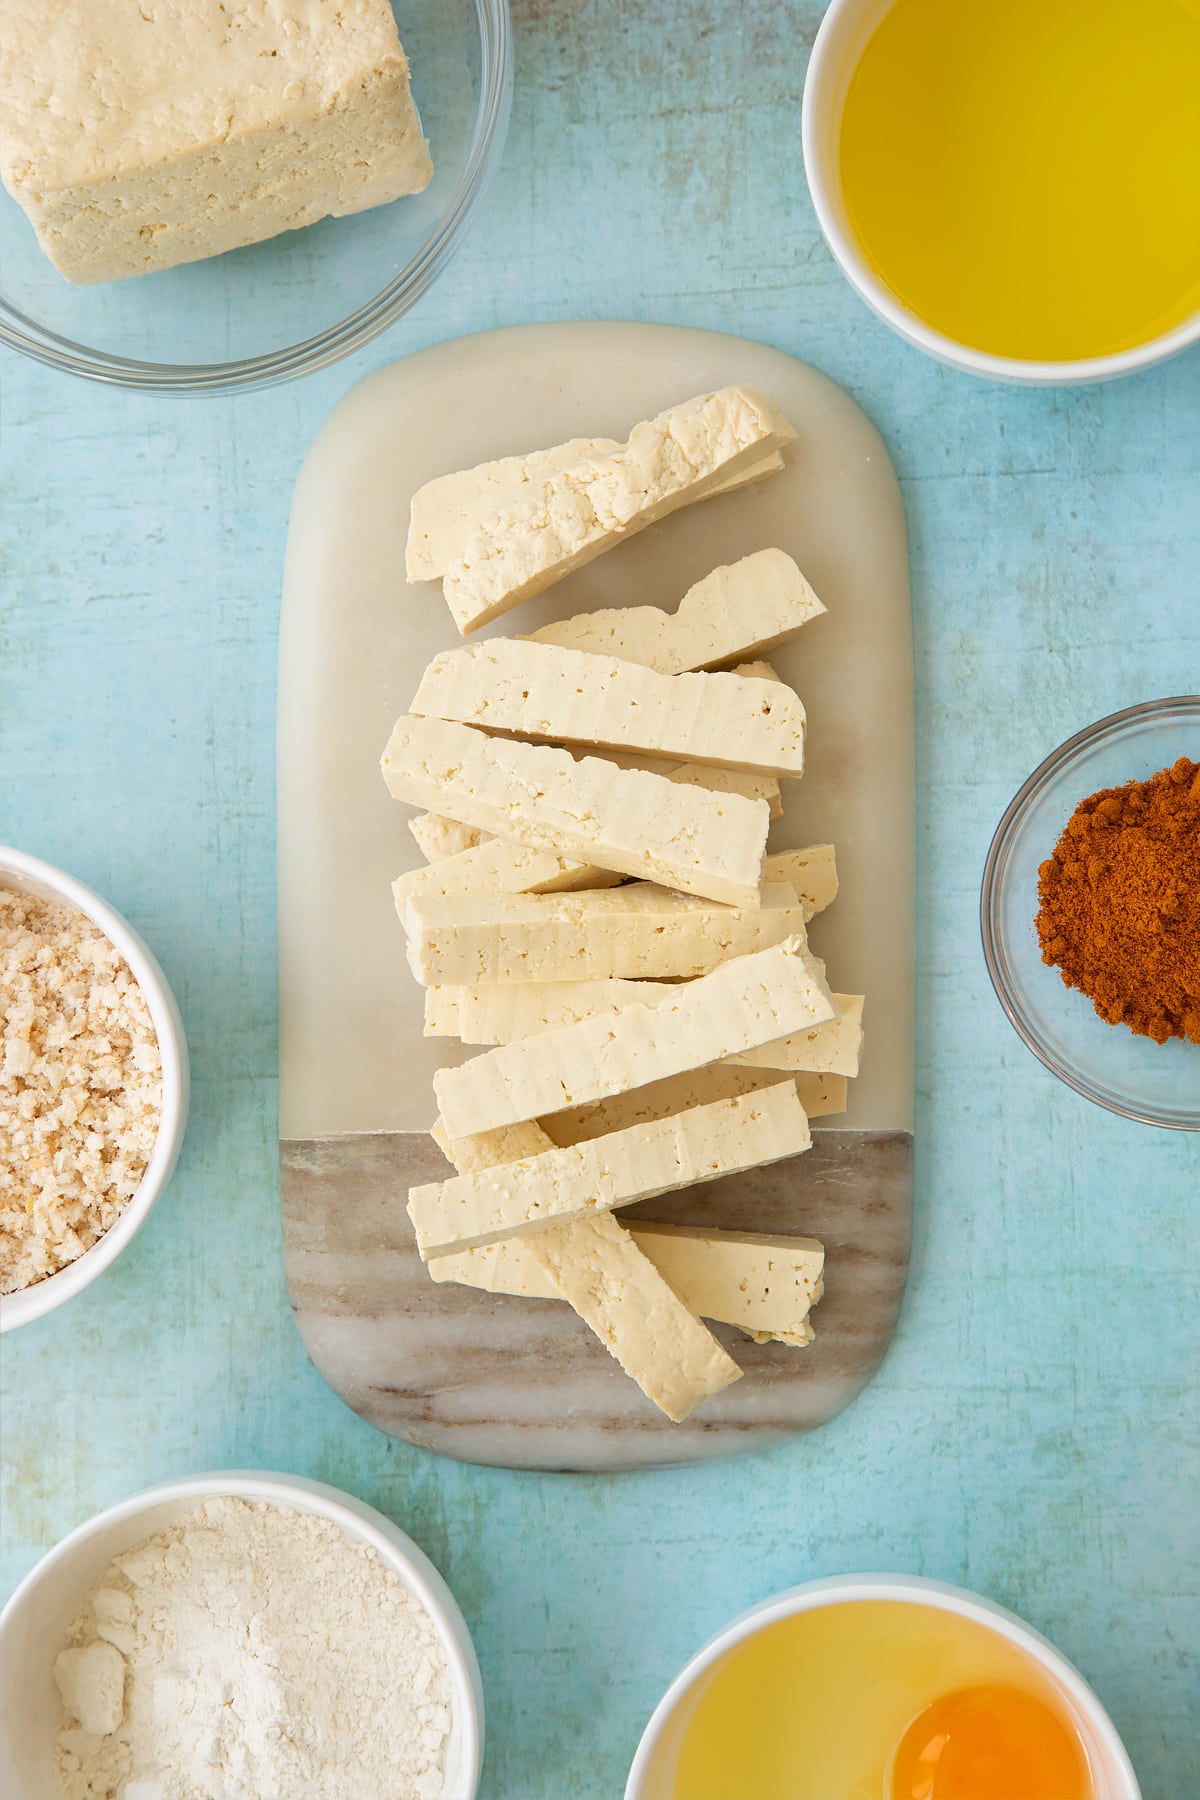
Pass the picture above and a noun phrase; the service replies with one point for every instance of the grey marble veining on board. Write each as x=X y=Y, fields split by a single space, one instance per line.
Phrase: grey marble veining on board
x=522 y=1383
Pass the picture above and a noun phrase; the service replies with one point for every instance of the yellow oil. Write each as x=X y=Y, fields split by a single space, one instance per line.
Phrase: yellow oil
x=1025 y=174
x=814 y=1707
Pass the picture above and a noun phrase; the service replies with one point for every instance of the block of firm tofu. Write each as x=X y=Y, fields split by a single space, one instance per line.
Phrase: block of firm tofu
x=609 y=1172
x=576 y=697
x=140 y=136
x=737 y=611
x=766 y=1286
x=745 y=1002
x=446 y=511
x=681 y=456
x=635 y=931
x=595 y=1265
x=631 y=820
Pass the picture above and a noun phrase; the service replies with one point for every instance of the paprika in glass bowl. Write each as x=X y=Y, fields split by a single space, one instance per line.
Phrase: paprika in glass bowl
x=1119 y=1067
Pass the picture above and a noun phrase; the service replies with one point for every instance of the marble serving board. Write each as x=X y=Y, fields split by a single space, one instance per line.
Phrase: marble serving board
x=490 y=1378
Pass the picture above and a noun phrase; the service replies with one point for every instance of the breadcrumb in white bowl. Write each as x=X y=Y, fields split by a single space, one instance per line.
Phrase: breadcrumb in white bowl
x=93 y=1086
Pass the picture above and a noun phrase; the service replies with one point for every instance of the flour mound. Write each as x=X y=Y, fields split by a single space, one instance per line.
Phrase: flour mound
x=266 y=1656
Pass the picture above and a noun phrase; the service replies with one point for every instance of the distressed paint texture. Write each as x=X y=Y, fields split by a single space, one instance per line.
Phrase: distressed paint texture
x=1033 y=1432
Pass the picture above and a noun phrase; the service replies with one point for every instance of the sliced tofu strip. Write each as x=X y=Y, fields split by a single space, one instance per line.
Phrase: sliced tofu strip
x=609 y=1172
x=518 y=1009
x=637 y=1315
x=639 y=930
x=820 y=1093
x=836 y=1045
x=440 y=839
x=446 y=511
x=735 y=613
x=812 y=872
x=745 y=1002
x=596 y=1266
x=491 y=1149
x=573 y=516
x=503 y=1012
x=764 y=1285
x=546 y=692
x=498 y=867
x=625 y=819
x=499 y=1012
x=751 y=785
x=676 y=1094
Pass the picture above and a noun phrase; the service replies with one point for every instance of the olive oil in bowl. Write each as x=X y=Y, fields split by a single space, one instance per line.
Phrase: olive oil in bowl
x=1024 y=175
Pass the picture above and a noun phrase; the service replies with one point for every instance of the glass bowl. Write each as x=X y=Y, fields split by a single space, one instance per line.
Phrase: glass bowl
x=1157 y=1084
x=302 y=300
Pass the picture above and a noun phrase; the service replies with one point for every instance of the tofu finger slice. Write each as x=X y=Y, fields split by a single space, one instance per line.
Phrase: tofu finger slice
x=447 y=510
x=637 y=1315
x=630 y=820
x=766 y=1286
x=836 y=1045
x=609 y=1172
x=504 y=1012
x=597 y=1267
x=683 y=455
x=632 y=931
x=439 y=839
x=546 y=692
x=498 y=867
x=812 y=872
x=700 y=1087
x=743 y=1003
x=740 y=610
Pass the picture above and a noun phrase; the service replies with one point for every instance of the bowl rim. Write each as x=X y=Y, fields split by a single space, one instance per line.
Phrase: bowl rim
x=32 y=874
x=358 y=1520
x=836 y=1590
x=991 y=884
x=823 y=92
x=22 y=333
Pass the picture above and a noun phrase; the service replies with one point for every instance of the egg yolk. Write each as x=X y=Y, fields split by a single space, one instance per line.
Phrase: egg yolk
x=989 y=1743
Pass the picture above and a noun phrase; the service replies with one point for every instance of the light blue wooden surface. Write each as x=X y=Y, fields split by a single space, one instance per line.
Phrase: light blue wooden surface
x=1033 y=1433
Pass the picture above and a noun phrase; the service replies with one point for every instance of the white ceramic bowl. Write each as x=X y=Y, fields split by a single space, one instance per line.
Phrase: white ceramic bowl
x=838 y=46
x=34 y=1624
x=1112 y=1771
x=30 y=875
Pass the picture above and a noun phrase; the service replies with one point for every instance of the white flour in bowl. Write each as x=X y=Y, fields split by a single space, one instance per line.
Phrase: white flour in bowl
x=252 y=1652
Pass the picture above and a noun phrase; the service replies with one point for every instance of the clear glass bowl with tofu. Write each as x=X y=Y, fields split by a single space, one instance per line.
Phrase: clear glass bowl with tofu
x=303 y=299
x=1155 y=1084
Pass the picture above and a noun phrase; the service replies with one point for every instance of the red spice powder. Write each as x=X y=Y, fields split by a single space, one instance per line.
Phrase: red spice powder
x=1119 y=903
